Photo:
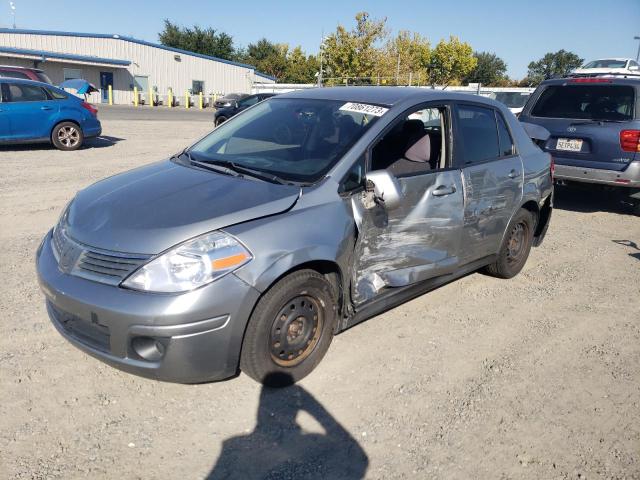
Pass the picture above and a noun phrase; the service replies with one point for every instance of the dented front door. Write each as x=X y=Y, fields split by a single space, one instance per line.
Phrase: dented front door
x=414 y=242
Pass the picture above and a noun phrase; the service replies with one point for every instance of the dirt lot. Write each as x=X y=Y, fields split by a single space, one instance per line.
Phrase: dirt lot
x=535 y=377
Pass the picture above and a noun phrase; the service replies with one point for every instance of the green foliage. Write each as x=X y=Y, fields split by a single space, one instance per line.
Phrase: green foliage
x=205 y=41
x=450 y=61
x=406 y=56
x=275 y=59
x=490 y=70
x=355 y=52
x=556 y=64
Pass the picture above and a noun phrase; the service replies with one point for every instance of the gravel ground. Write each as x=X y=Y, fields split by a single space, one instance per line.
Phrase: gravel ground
x=535 y=377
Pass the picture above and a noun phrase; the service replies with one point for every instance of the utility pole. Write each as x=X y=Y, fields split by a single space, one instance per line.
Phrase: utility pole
x=637 y=54
x=321 y=51
x=13 y=13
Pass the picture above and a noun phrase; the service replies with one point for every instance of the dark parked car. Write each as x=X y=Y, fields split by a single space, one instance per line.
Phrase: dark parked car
x=224 y=114
x=36 y=112
x=229 y=99
x=293 y=221
x=595 y=130
x=8 y=71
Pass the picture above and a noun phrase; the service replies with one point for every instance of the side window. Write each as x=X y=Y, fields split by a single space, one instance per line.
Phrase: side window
x=56 y=94
x=14 y=74
x=504 y=137
x=247 y=102
x=354 y=179
x=415 y=144
x=478 y=133
x=26 y=93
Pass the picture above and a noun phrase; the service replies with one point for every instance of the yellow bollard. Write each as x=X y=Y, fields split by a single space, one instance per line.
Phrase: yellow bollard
x=136 y=101
x=170 y=98
x=150 y=97
x=186 y=99
x=201 y=101
x=110 y=93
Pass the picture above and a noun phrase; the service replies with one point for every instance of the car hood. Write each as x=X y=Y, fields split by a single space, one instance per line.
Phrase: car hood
x=153 y=208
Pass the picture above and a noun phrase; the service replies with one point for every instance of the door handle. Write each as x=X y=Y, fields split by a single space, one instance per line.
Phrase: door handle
x=443 y=190
x=46 y=108
x=513 y=173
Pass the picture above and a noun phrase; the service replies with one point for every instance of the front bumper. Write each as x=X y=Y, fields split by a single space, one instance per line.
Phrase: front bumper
x=630 y=177
x=198 y=334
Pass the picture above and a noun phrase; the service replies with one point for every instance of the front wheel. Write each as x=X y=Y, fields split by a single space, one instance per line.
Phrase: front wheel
x=220 y=121
x=516 y=246
x=290 y=329
x=67 y=136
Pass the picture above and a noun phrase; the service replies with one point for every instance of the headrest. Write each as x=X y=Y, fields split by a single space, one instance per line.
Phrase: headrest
x=420 y=151
x=413 y=126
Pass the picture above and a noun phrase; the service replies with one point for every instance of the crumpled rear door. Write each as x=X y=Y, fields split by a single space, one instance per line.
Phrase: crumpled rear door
x=414 y=242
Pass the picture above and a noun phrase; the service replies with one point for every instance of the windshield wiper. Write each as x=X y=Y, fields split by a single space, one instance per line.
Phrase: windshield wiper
x=215 y=167
x=595 y=120
x=238 y=170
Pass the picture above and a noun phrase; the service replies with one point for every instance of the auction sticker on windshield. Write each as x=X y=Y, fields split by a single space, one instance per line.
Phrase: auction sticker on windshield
x=364 y=108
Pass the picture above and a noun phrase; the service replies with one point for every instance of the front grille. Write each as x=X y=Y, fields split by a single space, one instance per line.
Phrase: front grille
x=90 y=333
x=91 y=263
x=107 y=267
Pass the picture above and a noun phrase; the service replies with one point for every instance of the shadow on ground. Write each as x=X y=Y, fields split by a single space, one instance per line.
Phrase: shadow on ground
x=96 y=142
x=629 y=243
x=588 y=199
x=278 y=448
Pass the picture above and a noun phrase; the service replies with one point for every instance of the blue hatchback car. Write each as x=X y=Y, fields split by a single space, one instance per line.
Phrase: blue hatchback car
x=34 y=112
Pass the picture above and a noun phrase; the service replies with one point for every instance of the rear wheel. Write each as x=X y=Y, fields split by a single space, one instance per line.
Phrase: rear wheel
x=220 y=121
x=516 y=246
x=67 y=136
x=290 y=329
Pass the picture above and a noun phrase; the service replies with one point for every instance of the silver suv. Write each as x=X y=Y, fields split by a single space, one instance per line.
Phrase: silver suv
x=295 y=220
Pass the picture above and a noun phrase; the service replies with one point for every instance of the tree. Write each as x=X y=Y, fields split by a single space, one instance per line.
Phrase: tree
x=406 y=57
x=300 y=67
x=267 y=57
x=354 y=53
x=205 y=41
x=450 y=61
x=557 y=64
x=490 y=70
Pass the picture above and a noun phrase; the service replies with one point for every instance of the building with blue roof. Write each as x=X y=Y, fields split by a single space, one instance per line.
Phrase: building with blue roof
x=124 y=63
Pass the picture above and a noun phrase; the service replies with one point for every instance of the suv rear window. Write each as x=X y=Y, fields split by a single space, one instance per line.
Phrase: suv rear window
x=13 y=74
x=598 y=102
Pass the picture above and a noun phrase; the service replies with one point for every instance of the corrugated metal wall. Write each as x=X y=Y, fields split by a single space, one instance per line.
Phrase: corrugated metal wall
x=161 y=66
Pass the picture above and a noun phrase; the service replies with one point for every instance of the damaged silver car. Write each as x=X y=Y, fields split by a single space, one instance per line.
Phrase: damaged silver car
x=297 y=219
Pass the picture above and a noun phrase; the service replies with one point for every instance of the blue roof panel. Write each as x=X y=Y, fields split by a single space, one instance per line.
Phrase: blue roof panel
x=64 y=56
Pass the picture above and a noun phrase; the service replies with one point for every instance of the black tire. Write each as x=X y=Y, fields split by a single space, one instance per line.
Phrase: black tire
x=67 y=136
x=220 y=121
x=298 y=311
x=515 y=248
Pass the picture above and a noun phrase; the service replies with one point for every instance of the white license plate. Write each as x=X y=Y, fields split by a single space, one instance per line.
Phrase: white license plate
x=569 y=144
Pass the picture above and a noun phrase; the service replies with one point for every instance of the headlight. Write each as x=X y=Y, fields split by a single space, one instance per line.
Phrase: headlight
x=190 y=265
x=226 y=104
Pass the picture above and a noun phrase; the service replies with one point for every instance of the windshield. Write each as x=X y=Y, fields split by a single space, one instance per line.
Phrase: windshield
x=606 y=64
x=295 y=139
x=512 y=99
x=589 y=102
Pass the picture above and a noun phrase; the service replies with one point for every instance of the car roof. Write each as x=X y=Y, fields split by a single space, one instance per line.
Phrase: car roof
x=617 y=59
x=387 y=96
x=27 y=81
x=15 y=67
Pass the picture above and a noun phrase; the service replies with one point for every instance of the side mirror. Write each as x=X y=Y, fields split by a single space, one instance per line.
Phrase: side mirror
x=235 y=104
x=386 y=188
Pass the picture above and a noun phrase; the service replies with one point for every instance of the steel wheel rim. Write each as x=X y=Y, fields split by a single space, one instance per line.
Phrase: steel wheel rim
x=68 y=136
x=296 y=330
x=516 y=243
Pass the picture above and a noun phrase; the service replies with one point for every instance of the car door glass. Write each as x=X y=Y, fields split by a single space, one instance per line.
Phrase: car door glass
x=478 y=132
x=26 y=93
x=504 y=137
x=247 y=102
x=413 y=145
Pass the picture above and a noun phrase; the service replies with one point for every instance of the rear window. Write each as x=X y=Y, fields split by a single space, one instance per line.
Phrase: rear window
x=13 y=74
x=597 y=102
x=44 y=78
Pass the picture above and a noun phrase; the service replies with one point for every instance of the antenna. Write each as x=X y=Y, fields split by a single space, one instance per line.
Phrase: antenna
x=13 y=13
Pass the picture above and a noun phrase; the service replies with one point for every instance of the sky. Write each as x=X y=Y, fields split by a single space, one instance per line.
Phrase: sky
x=518 y=31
